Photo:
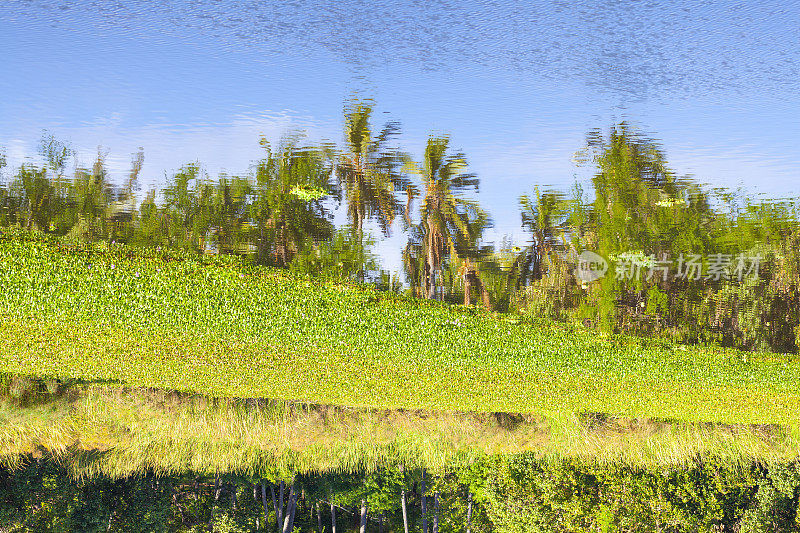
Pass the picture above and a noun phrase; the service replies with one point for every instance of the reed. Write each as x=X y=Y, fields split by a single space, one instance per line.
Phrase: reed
x=117 y=431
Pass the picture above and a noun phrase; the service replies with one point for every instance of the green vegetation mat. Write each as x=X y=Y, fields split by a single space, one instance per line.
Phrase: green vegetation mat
x=216 y=326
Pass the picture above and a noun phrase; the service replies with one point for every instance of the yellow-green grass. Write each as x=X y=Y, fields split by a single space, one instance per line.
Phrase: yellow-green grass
x=219 y=327
x=120 y=431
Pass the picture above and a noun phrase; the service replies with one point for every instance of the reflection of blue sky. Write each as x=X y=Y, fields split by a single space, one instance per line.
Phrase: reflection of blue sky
x=517 y=85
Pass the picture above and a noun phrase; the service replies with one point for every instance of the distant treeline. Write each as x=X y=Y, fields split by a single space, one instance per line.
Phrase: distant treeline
x=676 y=249
x=503 y=494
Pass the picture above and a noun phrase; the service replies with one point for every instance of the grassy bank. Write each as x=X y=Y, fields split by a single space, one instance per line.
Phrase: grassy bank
x=102 y=429
x=216 y=326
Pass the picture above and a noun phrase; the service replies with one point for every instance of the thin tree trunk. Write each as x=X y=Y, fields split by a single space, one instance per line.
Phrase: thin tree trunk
x=431 y=270
x=293 y=502
x=274 y=504
x=363 y=528
x=217 y=490
x=436 y=512
x=284 y=242
x=288 y=521
x=261 y=243
x=360 y=233
x=333 y=517
x=286 y=514
x=469 y=513
x=487 y=301
x=409 y=198
x=467 y=282
x=428 y=273
x=279 y=510
x=405 y=514
x=264 y=501
x=441 y=278
x=423 y=505
x=319 y=519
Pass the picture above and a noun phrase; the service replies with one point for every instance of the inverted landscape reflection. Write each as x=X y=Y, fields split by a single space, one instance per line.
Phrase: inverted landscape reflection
x=399 y=266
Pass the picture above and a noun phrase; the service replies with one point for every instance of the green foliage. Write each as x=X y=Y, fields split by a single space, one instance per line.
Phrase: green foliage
x=287 y=209
x=523 y=494
x=270 y=215
x=511 y=494
x=642 y=210
x=637 y=205
x=344 y=256
x=224 y=523
x=546 y=220
x=368 y=169
x=215 y=325
x=450 y=228
x=22 y=390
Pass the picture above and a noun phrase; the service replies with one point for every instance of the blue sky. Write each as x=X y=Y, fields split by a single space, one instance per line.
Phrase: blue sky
x=516 y=84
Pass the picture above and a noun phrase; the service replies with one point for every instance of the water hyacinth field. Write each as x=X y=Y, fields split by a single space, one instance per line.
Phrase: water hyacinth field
x=219 y=327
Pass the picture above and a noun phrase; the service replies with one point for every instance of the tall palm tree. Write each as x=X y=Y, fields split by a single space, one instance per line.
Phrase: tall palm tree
x=368 y=171
x=413 y=260
x=546 y=218
x=449 y=223
x=471 y=253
